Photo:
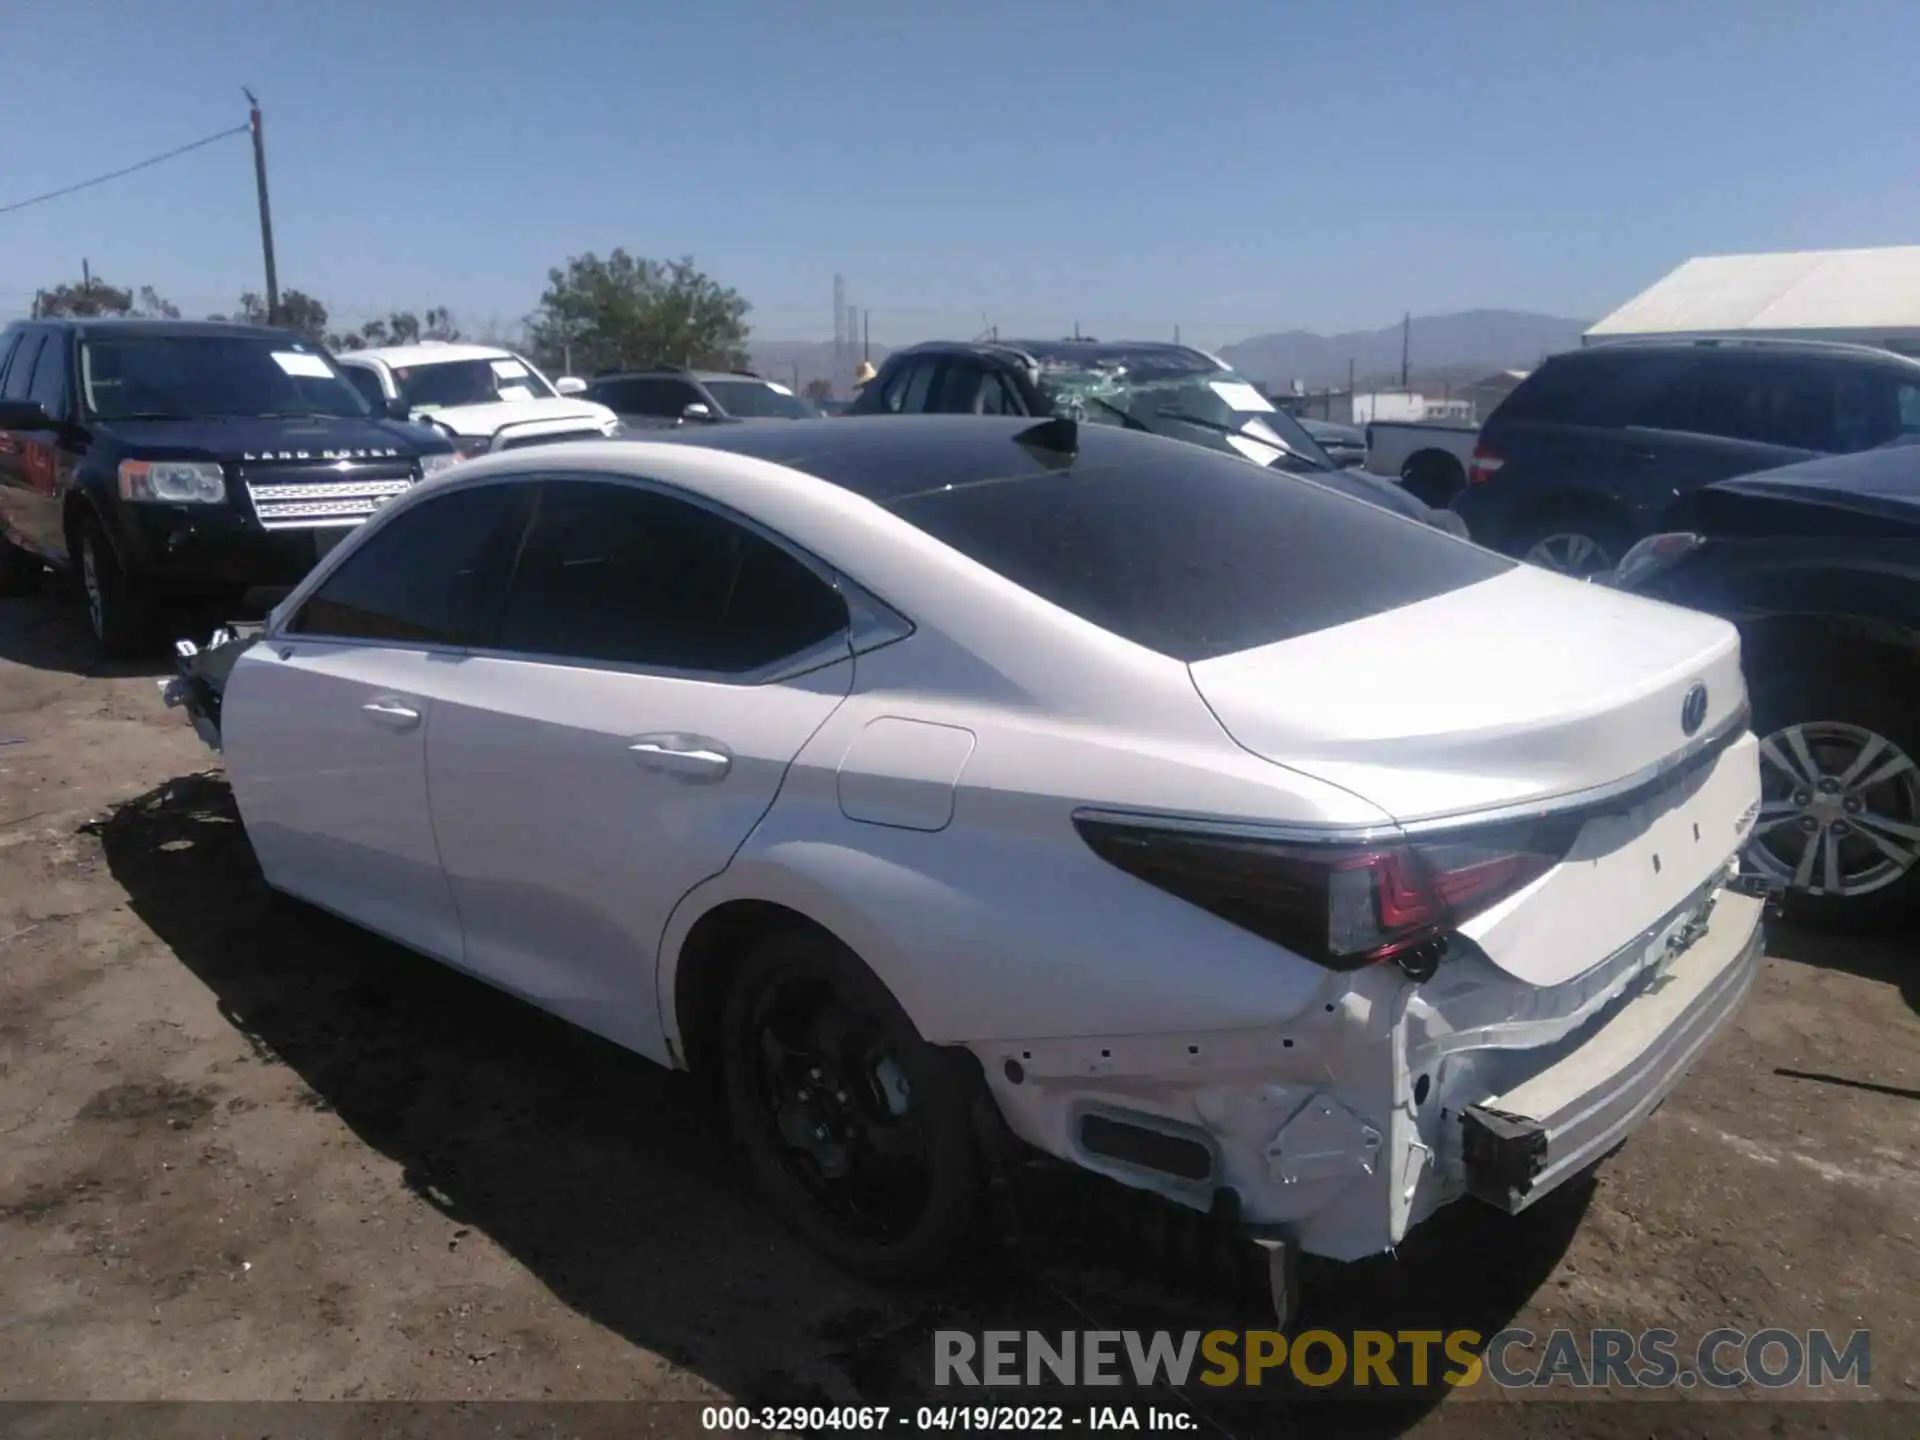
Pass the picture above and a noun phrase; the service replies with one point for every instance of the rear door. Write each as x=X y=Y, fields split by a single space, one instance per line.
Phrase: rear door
x=654 y=668
x=46 y=467
x=17 y=511
x=325 y=724
x=1560 y=441
x=1729 y=414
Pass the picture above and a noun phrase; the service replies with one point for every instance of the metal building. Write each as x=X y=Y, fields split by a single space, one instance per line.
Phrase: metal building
x=1864 y=296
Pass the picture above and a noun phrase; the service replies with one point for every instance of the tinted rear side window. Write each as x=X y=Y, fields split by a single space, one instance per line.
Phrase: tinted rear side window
x=1197 y=554
x=1591 y=387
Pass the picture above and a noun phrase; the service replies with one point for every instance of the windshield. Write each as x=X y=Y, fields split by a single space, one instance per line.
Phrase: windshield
x=1217 y=408
x=760 y=400
x=184 y=377
x=440 y=384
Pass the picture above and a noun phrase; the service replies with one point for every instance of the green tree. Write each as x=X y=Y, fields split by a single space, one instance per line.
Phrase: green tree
x=298 y=311
x=625 y=311
x=94 y=296
x=401 y=327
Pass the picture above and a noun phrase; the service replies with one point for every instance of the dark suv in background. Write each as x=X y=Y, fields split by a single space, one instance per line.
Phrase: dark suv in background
x=164 y=459
x=1586 y=455
x=653 y=399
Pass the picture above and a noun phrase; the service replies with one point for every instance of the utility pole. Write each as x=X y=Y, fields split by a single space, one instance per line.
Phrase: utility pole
x=1350 y=393
x=1176 y=334
x=1076 y=329
x=1406 y=345
x=86 y=274
x=266 y=214
x=866 y=334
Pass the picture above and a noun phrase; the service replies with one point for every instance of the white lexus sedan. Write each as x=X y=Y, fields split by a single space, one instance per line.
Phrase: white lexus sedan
x=1201 y=826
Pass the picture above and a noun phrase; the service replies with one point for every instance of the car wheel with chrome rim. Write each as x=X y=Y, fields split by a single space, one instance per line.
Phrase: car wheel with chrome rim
x=117 y=612
x=1839 y=824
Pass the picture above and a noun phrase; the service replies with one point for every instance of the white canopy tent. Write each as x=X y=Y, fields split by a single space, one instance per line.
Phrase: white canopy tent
x=1868 y=297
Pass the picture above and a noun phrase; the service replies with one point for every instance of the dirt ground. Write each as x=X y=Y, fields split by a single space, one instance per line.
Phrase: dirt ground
x=247 y=1153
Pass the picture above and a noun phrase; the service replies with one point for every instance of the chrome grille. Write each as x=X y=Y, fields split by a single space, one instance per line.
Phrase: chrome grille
x=553 y=437
x=310 y=497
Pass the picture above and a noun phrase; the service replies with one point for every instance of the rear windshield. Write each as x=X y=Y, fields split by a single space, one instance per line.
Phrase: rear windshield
x=1195 y=553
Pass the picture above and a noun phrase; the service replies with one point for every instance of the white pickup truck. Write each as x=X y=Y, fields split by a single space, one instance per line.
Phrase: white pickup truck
x=1430 y=457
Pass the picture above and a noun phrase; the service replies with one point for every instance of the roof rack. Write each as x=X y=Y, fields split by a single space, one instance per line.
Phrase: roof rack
x=1756 y=342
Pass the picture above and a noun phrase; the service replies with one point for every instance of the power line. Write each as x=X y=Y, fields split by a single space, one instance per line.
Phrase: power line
x=102 y=179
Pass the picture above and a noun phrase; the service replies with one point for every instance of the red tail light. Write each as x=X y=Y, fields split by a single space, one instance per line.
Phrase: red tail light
x=1342 y=906
x=1484 y=466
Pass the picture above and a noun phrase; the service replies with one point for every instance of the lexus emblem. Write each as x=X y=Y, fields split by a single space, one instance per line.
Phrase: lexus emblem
x=1693 y=709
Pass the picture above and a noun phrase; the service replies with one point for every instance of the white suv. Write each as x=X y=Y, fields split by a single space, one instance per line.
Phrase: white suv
x=485 y=398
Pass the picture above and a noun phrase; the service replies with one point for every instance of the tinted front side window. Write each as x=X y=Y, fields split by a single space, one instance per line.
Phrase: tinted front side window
x=366 y=382
x=49 y=384
x=908 y=391
x=629 y=397
x=416 y=580
x=20 y=372
x=1873 y=407
x=618 y=574
x=1592 y=388
x=1197 y=553
x=756 y=399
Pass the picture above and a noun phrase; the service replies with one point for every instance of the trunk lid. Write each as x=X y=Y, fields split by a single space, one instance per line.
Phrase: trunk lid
x=1513 y=691
x=1513 y=694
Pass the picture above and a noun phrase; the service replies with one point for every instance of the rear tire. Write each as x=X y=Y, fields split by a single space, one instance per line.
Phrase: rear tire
x=1433 y=479
x=856 y=1129
x=20 y=571
x=1837 y=713
x=119 y=612
x=1569 y=543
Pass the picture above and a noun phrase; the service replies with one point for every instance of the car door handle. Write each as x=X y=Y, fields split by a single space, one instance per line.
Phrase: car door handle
x=1643 y=455
x=690 y=756
x=392 y=714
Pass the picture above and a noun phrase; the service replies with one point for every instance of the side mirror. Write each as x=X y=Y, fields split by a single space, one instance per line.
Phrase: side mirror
x=24 y=415
x=697 y=411
x=570 y=385
x=396 y=408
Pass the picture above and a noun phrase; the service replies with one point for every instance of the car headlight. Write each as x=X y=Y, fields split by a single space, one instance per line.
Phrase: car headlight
x=613 y=428
x=431 y=465
x=173 y=482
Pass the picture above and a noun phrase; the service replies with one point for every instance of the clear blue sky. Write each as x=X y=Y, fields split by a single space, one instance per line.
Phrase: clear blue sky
x=1225 y=165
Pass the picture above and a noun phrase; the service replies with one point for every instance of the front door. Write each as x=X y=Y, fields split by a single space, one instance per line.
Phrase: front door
x=628 y=719
x=327 y=721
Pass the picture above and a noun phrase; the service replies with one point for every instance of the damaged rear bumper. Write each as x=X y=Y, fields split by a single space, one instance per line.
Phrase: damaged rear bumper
x=1521 y=1145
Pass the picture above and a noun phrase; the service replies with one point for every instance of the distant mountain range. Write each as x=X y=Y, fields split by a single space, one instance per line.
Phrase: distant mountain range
x=1452 y=349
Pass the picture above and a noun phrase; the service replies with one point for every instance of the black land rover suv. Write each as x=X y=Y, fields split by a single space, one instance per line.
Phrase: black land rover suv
x=173 y=458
